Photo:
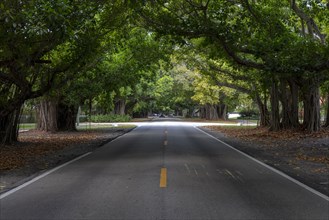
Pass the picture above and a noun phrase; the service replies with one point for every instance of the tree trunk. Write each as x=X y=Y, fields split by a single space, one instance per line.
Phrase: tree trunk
x=53 y=116
x=47 y=115
x=294 y=103
x=311 y=100
x=9 y=127
x=120 y=107
x=66 y=117
x=211 y=112
x=289 y=100
x=286 y=107
x=203 y=112
x=327 y=116
x=275 y=116
x=78 y=116
x=263 y=111
x=222 y=111
x=189 y=113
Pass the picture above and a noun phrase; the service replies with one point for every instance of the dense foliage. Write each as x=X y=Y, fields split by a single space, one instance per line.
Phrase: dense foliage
x=185 y=57
x=282 y=46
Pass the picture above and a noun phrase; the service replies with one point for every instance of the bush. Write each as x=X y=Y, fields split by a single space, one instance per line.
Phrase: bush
x=248 y=113
x=110 y=118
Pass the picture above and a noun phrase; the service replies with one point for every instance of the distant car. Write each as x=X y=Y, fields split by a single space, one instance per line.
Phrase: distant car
x=162 y=116
x=233 y=115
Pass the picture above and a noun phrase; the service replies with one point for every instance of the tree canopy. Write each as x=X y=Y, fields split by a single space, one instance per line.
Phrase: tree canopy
x=136 y=57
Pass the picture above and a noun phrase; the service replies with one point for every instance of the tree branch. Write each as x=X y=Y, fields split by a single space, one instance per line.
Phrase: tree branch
x=228 y=73
x=234 y=86
x=239 y=60
x=312 y=27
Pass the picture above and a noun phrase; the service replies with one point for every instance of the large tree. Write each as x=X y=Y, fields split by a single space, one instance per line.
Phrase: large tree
x=42 y=42
x=284 y=41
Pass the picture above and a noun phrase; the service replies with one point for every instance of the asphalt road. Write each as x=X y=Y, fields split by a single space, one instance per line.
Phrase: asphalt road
x=164 y=171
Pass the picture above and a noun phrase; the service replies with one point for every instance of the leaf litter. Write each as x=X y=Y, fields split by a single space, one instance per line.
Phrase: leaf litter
x=37 y=151
x=298 y=153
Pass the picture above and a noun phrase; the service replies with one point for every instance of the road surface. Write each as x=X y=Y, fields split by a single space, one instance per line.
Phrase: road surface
x=164 y=171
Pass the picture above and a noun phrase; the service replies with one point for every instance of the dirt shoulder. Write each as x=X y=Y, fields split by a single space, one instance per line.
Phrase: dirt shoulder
x=302 y=156
x=38 y=151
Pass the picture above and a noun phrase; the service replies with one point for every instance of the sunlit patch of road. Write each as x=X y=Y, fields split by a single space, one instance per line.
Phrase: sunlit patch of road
x=171 y=122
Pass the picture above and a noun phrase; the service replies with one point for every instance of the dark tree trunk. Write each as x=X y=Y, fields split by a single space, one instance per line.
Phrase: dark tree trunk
x=327 y=116
x=286 y=105
x=53 y=116
x=222 y=107
x=275 y=116
x=66 y=117
x=289 y=100
x=263 y=111
x=222 y=111
x=203 y=112
x=211 y=112
x=177 y=112
x=311 y=100
x=120 y=107
x=47 y=115
x=294 y=103
x=189 y=113
x=9 y=127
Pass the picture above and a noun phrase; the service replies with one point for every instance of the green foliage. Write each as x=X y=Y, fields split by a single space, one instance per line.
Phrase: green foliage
x=205 y=91
x=133 y=56
x=164 y=87
x=44 y=45
x=167 y=56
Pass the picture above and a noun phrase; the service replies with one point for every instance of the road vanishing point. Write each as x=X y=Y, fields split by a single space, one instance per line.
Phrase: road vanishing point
x=164 y=170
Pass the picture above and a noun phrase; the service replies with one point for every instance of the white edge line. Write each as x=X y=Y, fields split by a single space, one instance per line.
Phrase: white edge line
x=115 y=139
x=269 y=167
x=53 y=170
x=41 y=176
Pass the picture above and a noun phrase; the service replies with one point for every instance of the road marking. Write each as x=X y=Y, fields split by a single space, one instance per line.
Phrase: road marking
x=2 y=186
x=124 y=134
x=3 y=195
x=163 y=178
x=229 y=173
x=41 y=176
x=240 y=179
x=188 y=169
x=269 y=167
x=238 y=172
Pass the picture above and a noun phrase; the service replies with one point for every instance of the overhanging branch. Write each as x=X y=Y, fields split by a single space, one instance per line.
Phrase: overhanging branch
x=312 y=27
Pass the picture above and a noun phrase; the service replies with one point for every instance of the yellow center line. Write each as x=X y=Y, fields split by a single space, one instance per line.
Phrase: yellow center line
x=163 y=178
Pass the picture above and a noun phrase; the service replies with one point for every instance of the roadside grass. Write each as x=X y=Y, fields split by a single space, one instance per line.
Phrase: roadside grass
x=27 y=126
x=230 y=127
x=88 y=126
x=229 y=121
